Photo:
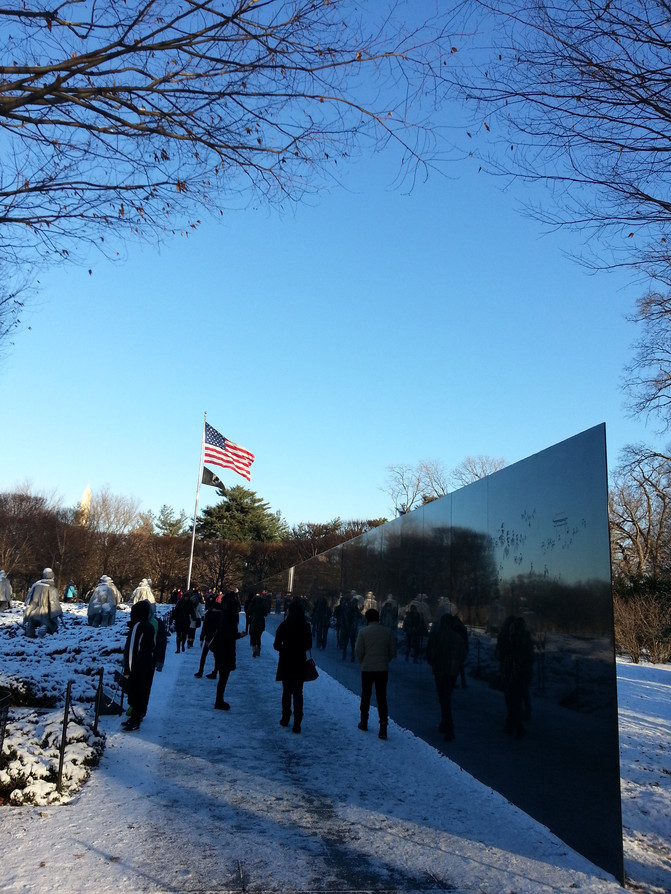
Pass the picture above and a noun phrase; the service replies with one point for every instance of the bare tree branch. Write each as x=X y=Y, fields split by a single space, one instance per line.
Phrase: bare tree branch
x=649 y=382
x=128 y=118
x=577 y=94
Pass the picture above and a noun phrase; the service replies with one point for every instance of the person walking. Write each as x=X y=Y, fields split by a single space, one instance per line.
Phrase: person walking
x=182 y=615
x=138 y=663
x=414 y=629
x=352 y=621
x=293 y=639
x=515 y=652
x=256 y=613
x=446 y=653
x=375 y=647
x=196 y=618
x=321 y=618
x=223 y=645
x=208 y=632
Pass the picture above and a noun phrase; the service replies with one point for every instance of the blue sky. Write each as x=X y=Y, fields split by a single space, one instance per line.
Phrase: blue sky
x=363 y=328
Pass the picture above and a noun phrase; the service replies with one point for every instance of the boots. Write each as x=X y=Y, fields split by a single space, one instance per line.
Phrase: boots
x=383 y=731
x=363 y=723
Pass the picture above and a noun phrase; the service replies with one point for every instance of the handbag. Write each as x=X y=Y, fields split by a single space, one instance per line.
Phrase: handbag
x=311 y=672
x=122 y=681
x=111 y=702
x=111 y=697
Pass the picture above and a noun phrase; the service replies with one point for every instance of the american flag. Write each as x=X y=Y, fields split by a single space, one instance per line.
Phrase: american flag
x=222 y=452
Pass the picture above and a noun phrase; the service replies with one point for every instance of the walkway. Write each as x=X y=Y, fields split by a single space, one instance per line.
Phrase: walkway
x=209 y=801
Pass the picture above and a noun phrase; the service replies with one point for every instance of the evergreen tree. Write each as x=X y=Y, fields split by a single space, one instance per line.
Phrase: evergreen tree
x=168 y=523
x=241 y=516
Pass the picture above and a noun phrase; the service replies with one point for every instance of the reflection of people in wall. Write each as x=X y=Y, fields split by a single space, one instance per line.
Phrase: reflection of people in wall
x=460 y=627
x=414 y=629
x=351 y=620
x=321 y=617
x=446 y=653
x=389 y=614
x=515 y=652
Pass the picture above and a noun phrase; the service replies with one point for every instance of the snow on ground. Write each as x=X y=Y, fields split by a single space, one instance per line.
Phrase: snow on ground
x=203 y=800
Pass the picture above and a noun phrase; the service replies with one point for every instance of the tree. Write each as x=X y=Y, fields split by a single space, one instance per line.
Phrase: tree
x=241 y=516
x=640 y=523
x=578 y=94
x=219 y=563
x=640 y=513
x=127 y=119
x=29 y=527
x=311 y=538
x=404 y=486
x=11 y=305
x=475 y=467
x=308 y=539
x=167 y=523
x=412 y=486
x=649 y=383
x=642 y=608
x=115 y=514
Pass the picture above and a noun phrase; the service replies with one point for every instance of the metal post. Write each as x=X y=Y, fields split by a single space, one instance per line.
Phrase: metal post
x=99 y=695
x=66 y=714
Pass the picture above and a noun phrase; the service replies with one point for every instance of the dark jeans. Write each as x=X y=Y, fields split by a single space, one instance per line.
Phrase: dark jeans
x=320 y=633
x=348 y=638
x=379 y=680
x=181 y=633
x=292 y=689
x=203 y=656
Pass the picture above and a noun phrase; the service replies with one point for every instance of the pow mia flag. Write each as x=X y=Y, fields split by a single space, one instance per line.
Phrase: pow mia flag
x=212 y=479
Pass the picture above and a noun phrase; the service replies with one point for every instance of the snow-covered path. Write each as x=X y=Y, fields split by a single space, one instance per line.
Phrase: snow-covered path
x=202 y=800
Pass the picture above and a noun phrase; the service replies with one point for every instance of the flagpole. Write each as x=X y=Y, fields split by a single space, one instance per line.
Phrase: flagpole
x=195 y=511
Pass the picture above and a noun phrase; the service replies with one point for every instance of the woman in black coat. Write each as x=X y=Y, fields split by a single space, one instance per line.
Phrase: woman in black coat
x=223 y=645
x=292 y=640
x=138 y=661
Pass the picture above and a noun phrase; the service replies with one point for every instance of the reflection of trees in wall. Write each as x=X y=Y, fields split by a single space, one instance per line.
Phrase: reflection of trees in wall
x=354 y=572
x=321 y=575
x=262 y=560
x=473 y=577
x=573 y=609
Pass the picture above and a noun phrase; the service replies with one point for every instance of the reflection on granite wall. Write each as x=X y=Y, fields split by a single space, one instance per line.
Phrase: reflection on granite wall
x=535 y=710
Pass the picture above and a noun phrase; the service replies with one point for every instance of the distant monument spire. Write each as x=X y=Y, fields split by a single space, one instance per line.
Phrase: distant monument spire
x=85 y=506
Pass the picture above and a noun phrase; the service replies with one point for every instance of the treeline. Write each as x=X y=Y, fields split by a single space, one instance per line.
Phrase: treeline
x=239 y=543
x=639 y=508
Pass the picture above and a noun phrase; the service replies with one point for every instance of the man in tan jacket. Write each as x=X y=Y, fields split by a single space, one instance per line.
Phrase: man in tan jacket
x=375 y=647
